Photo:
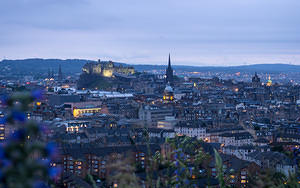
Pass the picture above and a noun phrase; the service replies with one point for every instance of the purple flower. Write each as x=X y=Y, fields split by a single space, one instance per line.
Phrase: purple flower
x=176 y=163
x=37 y=94
x=53 y=172
x=19 y=116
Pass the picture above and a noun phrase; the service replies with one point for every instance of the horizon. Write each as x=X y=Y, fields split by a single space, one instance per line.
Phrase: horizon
x=137 y=64
x=197 y=33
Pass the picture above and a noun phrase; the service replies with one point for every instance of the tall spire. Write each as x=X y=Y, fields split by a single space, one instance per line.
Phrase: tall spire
x=169 y=72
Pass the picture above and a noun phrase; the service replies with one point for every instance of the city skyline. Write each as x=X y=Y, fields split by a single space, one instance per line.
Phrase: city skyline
x=198 y=33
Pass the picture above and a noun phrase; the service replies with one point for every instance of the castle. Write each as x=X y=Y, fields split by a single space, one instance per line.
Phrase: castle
x=106 y=68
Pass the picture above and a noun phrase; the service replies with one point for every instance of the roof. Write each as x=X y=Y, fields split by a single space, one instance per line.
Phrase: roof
x=238 y=136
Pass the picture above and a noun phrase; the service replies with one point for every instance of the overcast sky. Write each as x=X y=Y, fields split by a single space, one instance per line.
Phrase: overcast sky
x=195 y=32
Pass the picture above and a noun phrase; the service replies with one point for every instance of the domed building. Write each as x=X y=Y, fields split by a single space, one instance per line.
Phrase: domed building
x=168 y=93
x=269 y=83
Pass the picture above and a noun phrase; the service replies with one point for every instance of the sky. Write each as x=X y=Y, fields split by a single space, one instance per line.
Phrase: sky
x=195 y=32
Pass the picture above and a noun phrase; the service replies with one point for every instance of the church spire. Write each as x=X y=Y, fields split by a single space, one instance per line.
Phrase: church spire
x=169 y=72
x=169 y=64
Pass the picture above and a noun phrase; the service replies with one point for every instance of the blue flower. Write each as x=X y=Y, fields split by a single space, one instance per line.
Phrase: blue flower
x=181 y=155
x=51 y=149
x=186 y=181
x=4 y=99
x=6 y=163
x=177 y=185
x=53 y=172
x=2 y=152
x=19 y=116
x=191 y=170
x=175 y=156
x=37 y=94
x=40 y=184
x=176 y=172
x=18 y=135
x=44 y=162
x=176 y=163
x=3 y=120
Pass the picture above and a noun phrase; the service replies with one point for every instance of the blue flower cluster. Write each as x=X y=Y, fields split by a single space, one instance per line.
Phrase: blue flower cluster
x=19 y=148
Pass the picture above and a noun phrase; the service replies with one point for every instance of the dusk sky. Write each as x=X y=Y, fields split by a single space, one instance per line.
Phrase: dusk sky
x=195 y=32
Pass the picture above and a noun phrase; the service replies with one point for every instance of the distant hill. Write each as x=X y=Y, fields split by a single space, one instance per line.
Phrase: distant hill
x=267 y=68
x=35 y=66
x=72 y=66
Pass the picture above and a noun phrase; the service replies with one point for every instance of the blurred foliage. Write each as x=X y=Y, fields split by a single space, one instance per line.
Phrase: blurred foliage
x=25 y=161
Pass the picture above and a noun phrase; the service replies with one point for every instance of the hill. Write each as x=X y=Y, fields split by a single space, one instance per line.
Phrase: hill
x=73 y=66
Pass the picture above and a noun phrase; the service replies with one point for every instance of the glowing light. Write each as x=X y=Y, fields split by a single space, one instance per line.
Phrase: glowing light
x=78 y=112
x=38 y=103
x=107 y=73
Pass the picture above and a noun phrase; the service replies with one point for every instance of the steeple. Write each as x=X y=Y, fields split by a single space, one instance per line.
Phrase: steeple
x=169 y=64
x=169 y=72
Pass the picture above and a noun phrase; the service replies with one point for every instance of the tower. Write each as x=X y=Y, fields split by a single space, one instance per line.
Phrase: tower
x=169 y=72
x=60 y=77
x=256 y=81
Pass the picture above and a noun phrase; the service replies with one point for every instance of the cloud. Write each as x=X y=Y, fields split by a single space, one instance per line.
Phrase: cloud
x=206 y=31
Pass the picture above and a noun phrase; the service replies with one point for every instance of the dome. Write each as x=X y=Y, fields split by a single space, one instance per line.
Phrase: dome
x=168 y=89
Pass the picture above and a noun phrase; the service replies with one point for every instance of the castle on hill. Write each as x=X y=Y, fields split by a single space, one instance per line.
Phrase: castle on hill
x=106 y=68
